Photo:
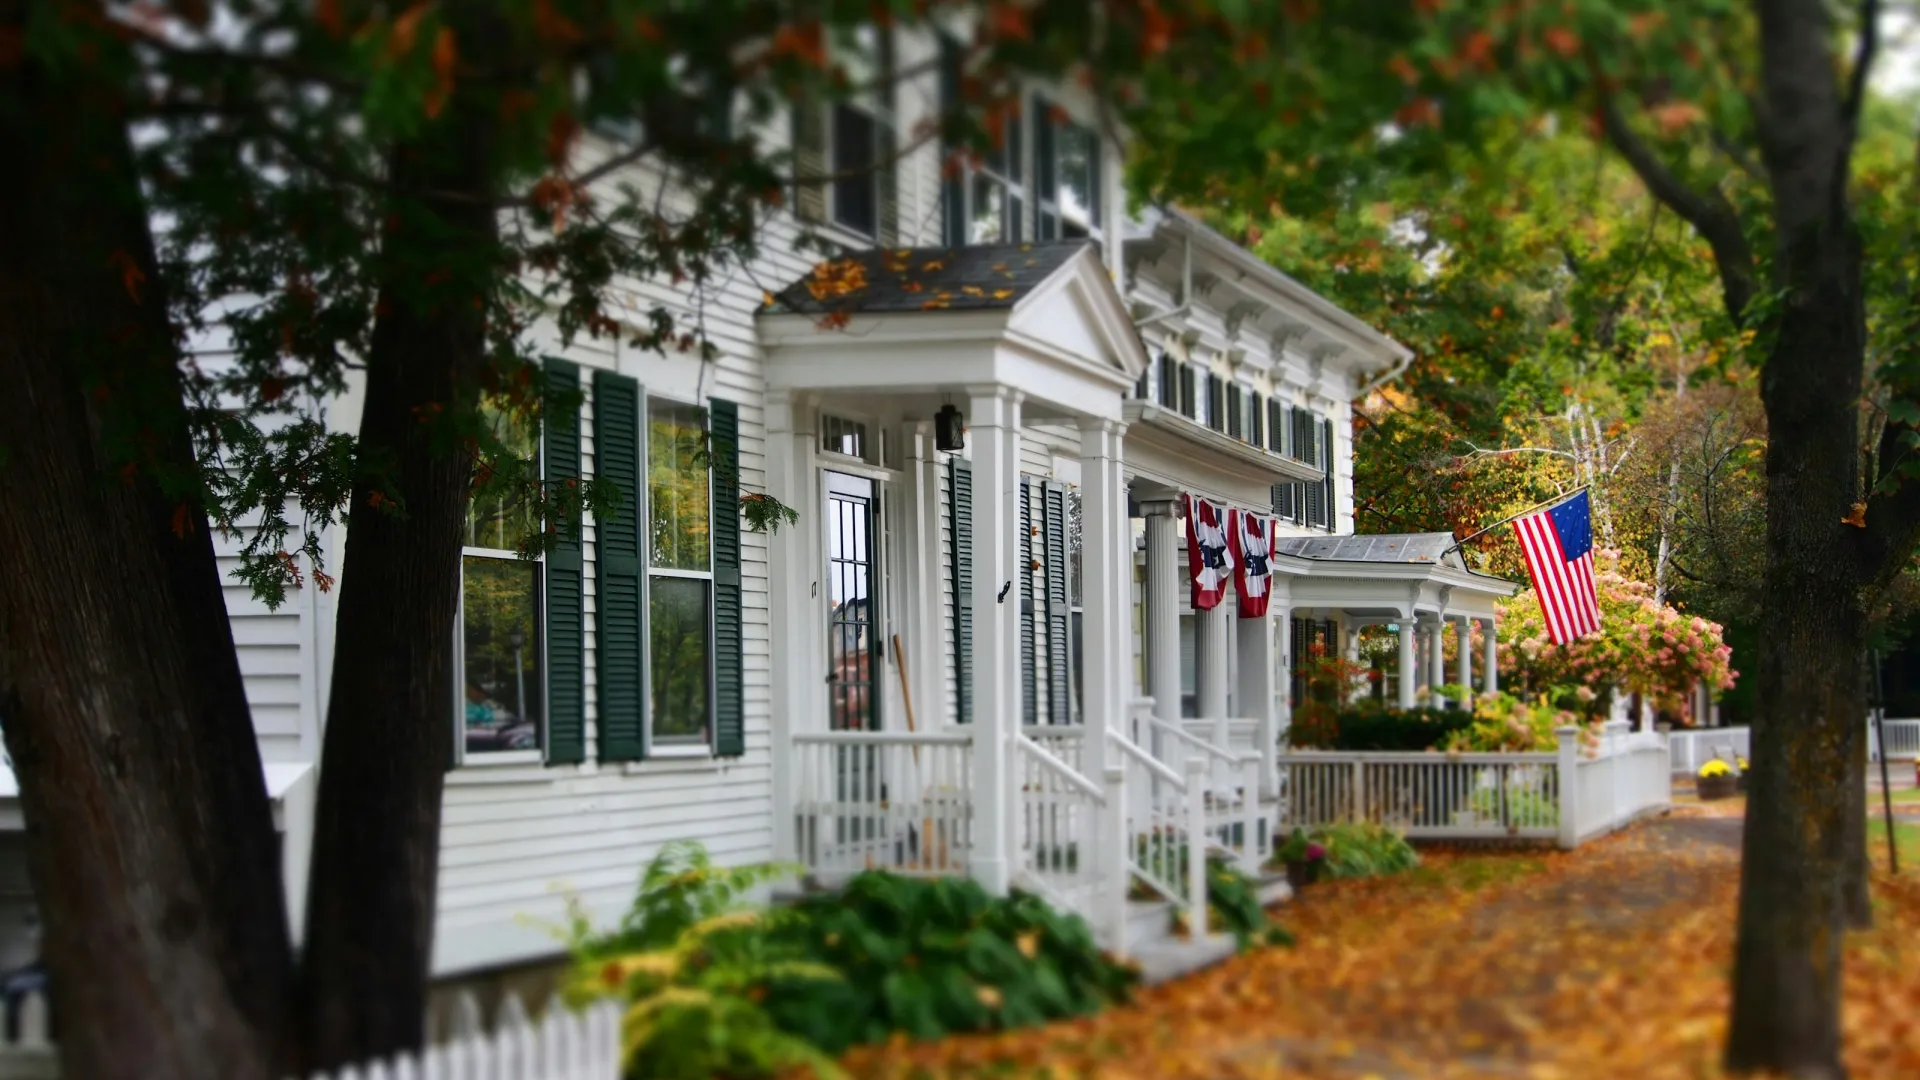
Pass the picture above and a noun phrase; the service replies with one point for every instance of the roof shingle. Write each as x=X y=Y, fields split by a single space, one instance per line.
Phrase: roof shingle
x=926 y=279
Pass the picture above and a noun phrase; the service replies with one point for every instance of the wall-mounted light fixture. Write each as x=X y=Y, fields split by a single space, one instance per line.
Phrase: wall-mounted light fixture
x=950 y=429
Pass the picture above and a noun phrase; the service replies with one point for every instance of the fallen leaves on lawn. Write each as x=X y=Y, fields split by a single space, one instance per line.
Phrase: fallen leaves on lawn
x=1611 y=961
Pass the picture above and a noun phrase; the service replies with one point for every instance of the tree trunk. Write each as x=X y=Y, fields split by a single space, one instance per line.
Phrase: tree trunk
x=390 y=730
x=1856 y=894
x=149 y=836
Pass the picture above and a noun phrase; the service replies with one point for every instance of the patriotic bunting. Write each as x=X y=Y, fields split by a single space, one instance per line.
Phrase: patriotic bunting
x=1209 y=558
x=1253 y=540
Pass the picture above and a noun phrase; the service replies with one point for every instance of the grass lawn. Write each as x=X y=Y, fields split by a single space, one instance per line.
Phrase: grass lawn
x=1906 y=840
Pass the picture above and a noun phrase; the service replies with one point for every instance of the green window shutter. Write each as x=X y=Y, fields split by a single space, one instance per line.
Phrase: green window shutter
x=729 y=640
x=953 y=191
x=620 y=619
x=1326 y=462
x=886 y=146
x=566 y=593
x=960 y=511
x=809 y=160
x=1029 y=677
x=1053 y=542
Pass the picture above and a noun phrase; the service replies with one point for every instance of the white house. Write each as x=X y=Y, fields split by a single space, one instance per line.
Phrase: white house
x=976 y=661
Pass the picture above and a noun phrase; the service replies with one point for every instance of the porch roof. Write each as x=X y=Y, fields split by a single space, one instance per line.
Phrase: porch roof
x=916 y=326
x=1390 y=576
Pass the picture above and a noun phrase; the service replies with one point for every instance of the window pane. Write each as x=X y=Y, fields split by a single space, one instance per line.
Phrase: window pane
x=855 y=199
x=504 y=520
x=677 y=622
x=1077 y=146
x=677 y=489
x=500 y=643
x=989 y=224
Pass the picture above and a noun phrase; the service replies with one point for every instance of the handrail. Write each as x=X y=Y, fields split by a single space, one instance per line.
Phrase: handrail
x=1153 y=764
x=882 y=738
x=1229 y=756
x=1064 y=770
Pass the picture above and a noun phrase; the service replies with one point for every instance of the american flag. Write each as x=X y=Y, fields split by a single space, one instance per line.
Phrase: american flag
x=1557 y=544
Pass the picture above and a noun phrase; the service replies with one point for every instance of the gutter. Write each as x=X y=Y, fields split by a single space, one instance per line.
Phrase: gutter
x=1400 y=366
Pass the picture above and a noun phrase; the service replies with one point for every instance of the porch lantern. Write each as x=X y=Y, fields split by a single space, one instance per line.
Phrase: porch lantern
x=949 y=429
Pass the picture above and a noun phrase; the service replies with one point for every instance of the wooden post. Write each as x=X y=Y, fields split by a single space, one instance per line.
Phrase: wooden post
x=1118 y=876
x=1569 y=769
x=1197 y=847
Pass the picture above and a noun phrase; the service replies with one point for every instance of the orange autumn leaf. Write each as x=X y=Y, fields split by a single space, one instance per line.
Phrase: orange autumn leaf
x=1561 y=40
x=131 y=276
x=1857 y=516
x=1008 y=20
x=1419 y=111
x=1404 y=69
x=405 y=30
x=1002 y=294
x=182 y=521
x=444 y=58
x=1674 y=117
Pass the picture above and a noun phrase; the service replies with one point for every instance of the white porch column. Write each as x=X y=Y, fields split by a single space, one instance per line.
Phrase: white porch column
x=1256 y=688
x=1463 y=660
x=1437 y=657
x=1105 y=588
x=993 y=426
x=1210 y=659
x=793 y=574
x=1490 y=673
x=1282 y=612
x=925 y=655
x=1163 y=609
x=1408 y=671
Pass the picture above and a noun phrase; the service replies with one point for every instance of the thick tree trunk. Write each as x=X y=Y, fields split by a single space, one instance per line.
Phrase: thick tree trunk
x=390 y=730
x=1856 y=895
x=149 y=836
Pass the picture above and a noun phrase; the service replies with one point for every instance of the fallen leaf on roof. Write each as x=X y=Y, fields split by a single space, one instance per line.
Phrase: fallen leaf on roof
x=973 y=290
x=1002 y=294
x=934 y=264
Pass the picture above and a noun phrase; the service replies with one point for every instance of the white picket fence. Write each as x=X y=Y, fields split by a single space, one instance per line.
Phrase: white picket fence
x=1570 y=795
x=561 y=1045
x=1694 y=747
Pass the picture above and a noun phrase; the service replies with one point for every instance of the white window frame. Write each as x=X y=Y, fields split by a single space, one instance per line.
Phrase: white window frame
x=862 y=65
x=537 y=756
x=675 y=746
x=1047 y=201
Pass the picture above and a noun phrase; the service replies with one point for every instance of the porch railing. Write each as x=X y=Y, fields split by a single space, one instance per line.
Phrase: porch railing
x=1166 y=828
x=882 y=800
x=1453 y=796
x=1570 y=795
x=1063 y=818
x=1234 y=818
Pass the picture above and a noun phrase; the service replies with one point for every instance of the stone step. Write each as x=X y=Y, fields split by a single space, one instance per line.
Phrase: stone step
x=1171 y=957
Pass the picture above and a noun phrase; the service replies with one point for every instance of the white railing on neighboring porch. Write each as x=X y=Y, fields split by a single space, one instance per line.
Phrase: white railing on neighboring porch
x=1166 y=828
x=1570 y=795
x=1694 y=747
x=882 y=800
x=561 y=1045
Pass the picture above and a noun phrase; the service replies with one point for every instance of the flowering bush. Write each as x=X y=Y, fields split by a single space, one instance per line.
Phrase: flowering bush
x=1641 y=647
x=1502 y=722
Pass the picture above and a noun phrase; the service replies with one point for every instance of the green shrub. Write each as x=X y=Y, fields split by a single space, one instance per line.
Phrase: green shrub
x=1233 y=902
x=932 y=957
x=1363 y=849
x=1523 y=804
x=1371 y=726
x=680 y=888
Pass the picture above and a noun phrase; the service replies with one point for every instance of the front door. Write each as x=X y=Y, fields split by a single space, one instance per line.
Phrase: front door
x=853 y=604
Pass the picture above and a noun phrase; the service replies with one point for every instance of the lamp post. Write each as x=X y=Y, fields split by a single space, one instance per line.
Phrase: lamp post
x=518 y=638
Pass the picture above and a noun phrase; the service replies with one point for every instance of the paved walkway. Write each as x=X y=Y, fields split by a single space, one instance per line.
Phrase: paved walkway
x=1609 y=962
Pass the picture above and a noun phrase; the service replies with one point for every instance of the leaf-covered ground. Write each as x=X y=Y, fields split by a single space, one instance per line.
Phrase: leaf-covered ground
x=1611 y=961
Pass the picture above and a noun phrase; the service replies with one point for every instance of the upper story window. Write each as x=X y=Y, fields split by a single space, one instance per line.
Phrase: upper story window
x=847 y=146
x=1042 y=181
x=1066 y=184
x=501 y=657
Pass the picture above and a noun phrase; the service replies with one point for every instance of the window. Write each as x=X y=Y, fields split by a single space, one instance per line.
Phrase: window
x=679 y=574
x=501 y=661
x=1256 y=419
x=1216 y=403
x=856 y=157
x=1169 y=382
x=1066 y=160
x=1233 y=411
x=1188 y=407
x=839 y=435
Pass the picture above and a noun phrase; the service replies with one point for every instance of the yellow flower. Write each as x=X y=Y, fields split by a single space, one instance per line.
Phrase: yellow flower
x=988 y=996
x=1713 y=768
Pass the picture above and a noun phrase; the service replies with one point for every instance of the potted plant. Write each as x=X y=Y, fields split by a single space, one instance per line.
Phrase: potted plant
x=1740 y=763
x=1716 y=781
x=1303 y=859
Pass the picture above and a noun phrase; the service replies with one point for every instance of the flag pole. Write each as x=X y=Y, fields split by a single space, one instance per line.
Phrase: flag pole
x=1555 y=501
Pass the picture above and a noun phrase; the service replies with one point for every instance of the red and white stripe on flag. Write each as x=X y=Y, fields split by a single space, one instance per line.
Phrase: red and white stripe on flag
x=1209 y=560
x=1253 y=541
x=1568 y=600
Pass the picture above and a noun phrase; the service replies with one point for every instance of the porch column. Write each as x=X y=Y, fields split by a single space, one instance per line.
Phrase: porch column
x=1163 y=608
x=994 y=428
x=793 y=574
x=925 y=659
x=1437 y=658
x=1351 y=652
x=1210 y=660
x=1282 y=612
x=1256 y=687
x=1105 y=589
x=1408 y=671
x=1463 y=662
x=1490 y=673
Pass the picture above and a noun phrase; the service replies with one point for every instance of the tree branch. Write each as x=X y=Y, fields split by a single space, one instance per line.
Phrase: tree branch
x=1862 y=66
x=1709 y=212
